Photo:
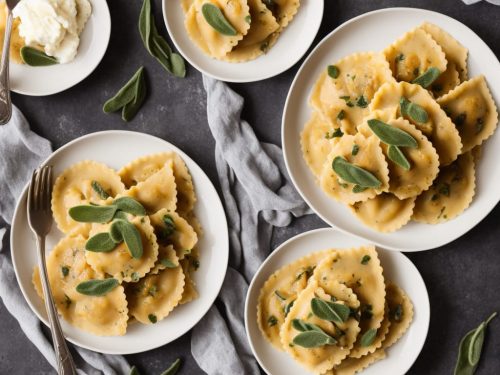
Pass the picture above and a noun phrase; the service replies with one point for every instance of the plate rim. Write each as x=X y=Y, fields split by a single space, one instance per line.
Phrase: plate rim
x=107 y=36
x=21 y=200
x=243 y=80
x=313 y=232
x=388 y=246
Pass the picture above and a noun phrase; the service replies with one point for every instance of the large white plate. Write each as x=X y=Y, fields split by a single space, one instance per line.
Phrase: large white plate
x=397 y=268
x=117 y=148
x=48 y=80
x=372 y=32
x=290 y=47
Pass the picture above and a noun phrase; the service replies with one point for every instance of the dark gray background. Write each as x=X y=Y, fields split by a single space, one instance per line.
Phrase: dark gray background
x=463 y=277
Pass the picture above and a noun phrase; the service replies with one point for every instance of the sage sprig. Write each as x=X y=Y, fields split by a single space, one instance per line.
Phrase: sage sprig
x=302 y=326
x=92 y=213
x=470 y=349
x=130 y=235
x=311 y=336
x=354 y=174
x=391 y=135
x=413 y=111
x=97 y=287
x=368 y=337
x=331 y=311
x=397 y=156
x=426 y=78
x=215 y=18
x=130 y=206
x=174 y=367
x=97 y=187
x=34 y=57
x=100 y=243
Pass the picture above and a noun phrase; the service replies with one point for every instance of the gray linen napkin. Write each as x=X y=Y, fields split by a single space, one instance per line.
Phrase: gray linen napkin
x=258 y=196
x=21 y=151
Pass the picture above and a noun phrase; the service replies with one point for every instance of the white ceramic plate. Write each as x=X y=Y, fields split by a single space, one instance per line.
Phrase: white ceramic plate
x=48 y=80
x=290 y=47
x=117 y=148
x=397 y=268
x=372 y=32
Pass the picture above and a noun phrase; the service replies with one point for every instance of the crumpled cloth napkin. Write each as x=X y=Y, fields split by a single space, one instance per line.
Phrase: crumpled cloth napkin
x=258 y=196
x=21 y=151
x=469 y=2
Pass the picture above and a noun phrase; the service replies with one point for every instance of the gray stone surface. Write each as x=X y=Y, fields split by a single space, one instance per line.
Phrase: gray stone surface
x=463 y=277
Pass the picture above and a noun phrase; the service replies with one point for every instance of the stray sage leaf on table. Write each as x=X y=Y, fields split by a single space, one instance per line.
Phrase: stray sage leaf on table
x=426 y=78
x=130 y=235
x=100 y=243
x=214 y=17
x=313 y=339
x=354 y=174
x=92 y=214
x=391 y=135
x=333 y=71
x=97 y=287
x=168 y=263
x=34 y=57
x=413 y=111
x=368 y=337
x=97 y=187
x=331 y=311
x=130 y=109
x=130 y=206
x=125 y=95
x=395 y=154
x=134 y=371
x=174 y=367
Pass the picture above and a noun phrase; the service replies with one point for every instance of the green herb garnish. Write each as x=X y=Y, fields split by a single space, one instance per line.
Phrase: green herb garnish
x=368 y=337
x=130 y=206
x=34 y=57
x=248 y=19
x=215 y=18
x=354 y=174
x=172 y=370
x=97 y=187
x=429 y=76
x=279 y=295
x=391 y=135
x=130 y=235
x=272 y=321
x=397 y=156
x=313 y=339
x=288 y=307
x=336 y=133
x=361 y=102
x=100 y=243
x=152 y=318
x=333 y=71
x=341 y=115
x=331 y=311
x=358 y=189
x=168 y=263
x=96 y=287
x=355 y=150
x=397 y=313
x=365 y=259
x=65 y=271
x=92 y=213
x=413 y=111
x=460 y=119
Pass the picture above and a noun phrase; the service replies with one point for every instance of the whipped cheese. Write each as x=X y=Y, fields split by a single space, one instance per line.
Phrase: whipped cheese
x=54 y=25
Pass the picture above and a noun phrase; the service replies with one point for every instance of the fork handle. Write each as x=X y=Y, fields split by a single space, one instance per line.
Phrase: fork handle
x=65 y=364
x=5 y=101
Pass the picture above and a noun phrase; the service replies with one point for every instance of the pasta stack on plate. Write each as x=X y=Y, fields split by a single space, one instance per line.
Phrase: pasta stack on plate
x=396 y=135
x=332 y=311
x=130 y=243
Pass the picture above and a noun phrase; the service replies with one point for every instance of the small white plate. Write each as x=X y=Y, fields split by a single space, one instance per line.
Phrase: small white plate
x=397 y=268
x=48 y=80
x=290 y=47
x=115 y=149
x=372 y=32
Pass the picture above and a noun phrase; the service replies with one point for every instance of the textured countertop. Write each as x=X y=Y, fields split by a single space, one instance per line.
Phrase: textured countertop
x=463 y=277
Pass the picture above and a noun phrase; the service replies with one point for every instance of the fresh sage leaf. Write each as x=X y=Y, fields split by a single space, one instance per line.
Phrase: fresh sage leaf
x=331 y=311
x=216 y=19
x=354 y=174
x=169 y=228
x=92 y=214
x=134 y=371
x=288 y=307
x=152 y=318
x=368 y=337
x=313 y=339
x=168 y=263
x=178 y=65
x=358 y=189
x=100 y=243
x=395 y=154
x=413 y=111
x=130 y=109
x=302 y=326
x=365 y=259
x=333 y=71
x=97 y=287
x=145 y=21
x=130 y=235
x=426 y=78
x=174 y=367
x=391 y=135
x=34 y=57
x=97 y=187
x=130 y=206
x=279 y=295
x=115 y=233
x=125 y=95
x=476 y=342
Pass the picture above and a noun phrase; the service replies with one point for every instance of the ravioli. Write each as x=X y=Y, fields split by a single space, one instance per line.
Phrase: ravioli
x=73 y=187
x=424 y=160
x=343 y=101
x=413 y=54
x=166 y=259
x=438 y=129
x=450 y=194
x=447 y=81
x=209 y=40
x=190 y=293
x=472 y=108
x=352 y=366
x=119 y=262
x=321 y=359
x=384 y=213
x=285 y=11
x=400 y=314
x=369 y=156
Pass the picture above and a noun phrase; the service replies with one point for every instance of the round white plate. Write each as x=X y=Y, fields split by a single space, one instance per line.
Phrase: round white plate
x=290 y=47
x=397 y=268
x=48 y=80
x=372 y=32
x=117 y=148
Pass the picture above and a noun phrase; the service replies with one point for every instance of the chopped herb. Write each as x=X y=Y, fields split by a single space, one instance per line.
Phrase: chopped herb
x=168 y=263
x=152 y=318
x=345 y=97
x=368 y=337
x=248 y=19
x=441 y=212
x=434 y=197
x=279 y=295
x=333 y=71
x=67 y=301
x=444 y=189
x=366 y=312
x=65 y=271
x=288 y=307
x=169 y=225
x=365 y=259
x=264 y=46
x=361 y=102
x=135 y=276
x=355 y=149
x=343 y=185
x=272 y=321
x=97 y=187
x=400 y=57
x=479 y=125
x=196 y=264
x=460 y=119
x=415 y=72
x=307 y=273
x=335 y=134
x=341 y=115
x=152 y=290
x=397 y=313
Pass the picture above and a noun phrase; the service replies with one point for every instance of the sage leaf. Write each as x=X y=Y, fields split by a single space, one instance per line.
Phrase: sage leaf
x=365 y=259
x=216 y=19
x=279 y=295
x=134 y=371
x=395 y=154
x=152 y=318
x=34 y=57
x=178 y=65
x=313 y=339
x=115 y=233
x=368 y=337
x=413 y=111
x=169 y=225
x=288 y=307
x=358 y=189
x=130 y=235
x=168 y=263
x=131 y=108
x=172 y=370
x=97 y=287
x=426 y=78
x=97 y=187
x=476 y=342
x=100 y=243
x=92 y=214
x=354 y=174
x=331 y=311
x=302 y=326
x=391 y=135
x=130 y=206
x=125 y=95
x=333 y=71
x=145 y=20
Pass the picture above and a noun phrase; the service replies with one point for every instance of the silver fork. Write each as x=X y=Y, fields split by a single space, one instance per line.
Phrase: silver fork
x=40 y=221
